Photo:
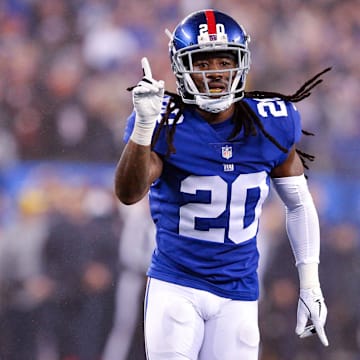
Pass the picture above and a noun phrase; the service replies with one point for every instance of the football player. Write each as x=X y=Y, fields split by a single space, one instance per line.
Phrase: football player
x=207 y=157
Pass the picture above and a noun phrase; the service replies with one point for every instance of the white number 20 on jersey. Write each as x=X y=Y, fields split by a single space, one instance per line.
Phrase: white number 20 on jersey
x=220 y=201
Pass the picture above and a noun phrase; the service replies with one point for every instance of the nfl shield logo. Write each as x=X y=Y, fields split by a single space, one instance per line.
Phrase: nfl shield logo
x=226 y=152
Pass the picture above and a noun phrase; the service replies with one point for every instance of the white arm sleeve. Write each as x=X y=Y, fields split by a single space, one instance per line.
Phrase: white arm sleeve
x=302 y=226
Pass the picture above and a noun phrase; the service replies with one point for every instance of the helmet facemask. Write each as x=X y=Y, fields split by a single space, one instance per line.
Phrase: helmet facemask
x=207 y=100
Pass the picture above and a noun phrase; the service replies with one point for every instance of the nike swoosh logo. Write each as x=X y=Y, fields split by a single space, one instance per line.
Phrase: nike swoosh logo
x=319 y=302
x=305 y=306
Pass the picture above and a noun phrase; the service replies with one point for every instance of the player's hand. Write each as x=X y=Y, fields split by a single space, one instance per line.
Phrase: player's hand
x=147 y=99
x=311 y=307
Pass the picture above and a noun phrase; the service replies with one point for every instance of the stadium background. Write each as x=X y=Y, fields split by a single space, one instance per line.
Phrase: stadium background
x=65 y=66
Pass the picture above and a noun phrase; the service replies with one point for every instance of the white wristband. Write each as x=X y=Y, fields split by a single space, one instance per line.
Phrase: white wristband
x=308 y=275
x=142 y=133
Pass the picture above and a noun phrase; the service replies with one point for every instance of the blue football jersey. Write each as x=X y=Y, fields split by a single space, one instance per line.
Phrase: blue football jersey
x=207 y=202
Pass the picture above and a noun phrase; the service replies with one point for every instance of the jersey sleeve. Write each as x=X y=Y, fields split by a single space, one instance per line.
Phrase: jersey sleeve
x=129 y=127
x=295 y=115
x=290 y=132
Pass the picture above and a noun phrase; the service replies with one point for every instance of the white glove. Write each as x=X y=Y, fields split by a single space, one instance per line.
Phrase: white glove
x=311 y=306
x=147 y=99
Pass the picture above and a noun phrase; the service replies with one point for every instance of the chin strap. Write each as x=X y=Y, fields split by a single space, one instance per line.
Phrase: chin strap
x=214 y=105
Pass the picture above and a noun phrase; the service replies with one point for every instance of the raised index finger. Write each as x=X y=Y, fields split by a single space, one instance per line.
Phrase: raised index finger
x=146 y=67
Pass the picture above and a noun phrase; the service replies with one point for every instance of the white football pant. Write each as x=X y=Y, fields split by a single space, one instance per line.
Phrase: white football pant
x=183 y=323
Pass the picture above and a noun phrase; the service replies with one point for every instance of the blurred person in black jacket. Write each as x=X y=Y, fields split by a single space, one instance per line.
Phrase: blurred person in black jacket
x=81 y=258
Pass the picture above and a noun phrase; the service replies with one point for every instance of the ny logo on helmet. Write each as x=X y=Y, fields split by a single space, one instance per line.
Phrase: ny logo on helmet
x=204 y=35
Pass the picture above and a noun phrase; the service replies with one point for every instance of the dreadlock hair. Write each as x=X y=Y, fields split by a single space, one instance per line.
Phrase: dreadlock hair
x=249 y=120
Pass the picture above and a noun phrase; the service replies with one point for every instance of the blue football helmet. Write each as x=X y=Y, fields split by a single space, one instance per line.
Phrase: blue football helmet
x=209 y=31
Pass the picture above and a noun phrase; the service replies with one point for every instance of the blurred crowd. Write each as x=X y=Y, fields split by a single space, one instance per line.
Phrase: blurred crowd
x=65 y=66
